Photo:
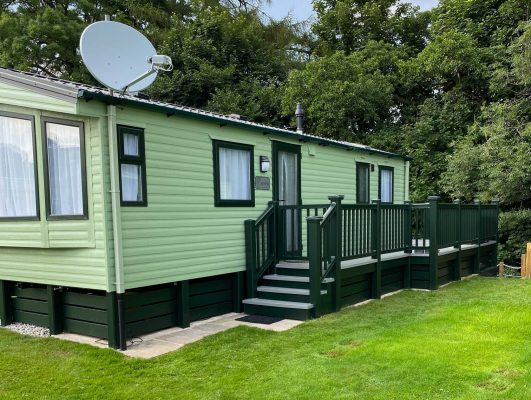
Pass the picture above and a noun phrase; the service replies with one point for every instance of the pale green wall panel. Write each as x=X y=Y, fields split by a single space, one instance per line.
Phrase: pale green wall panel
x=181 y=234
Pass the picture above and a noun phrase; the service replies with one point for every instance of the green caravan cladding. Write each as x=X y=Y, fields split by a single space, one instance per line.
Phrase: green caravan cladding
x=177 y=232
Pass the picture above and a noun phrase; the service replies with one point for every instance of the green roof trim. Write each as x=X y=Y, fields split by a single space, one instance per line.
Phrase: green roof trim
x=170 y=109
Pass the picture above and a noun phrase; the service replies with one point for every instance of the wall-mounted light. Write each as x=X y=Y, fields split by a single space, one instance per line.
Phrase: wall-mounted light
x=264 y=164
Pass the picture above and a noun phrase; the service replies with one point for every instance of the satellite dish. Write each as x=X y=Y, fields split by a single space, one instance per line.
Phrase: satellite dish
x=120 y=57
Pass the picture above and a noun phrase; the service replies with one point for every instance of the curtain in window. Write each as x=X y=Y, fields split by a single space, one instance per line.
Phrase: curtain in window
x=131 y=178
x=234 y=175
x=17 y=168
x=363 y=183
x=130 y=143
x=386 y=185
x=288 y=193
x=64 y=169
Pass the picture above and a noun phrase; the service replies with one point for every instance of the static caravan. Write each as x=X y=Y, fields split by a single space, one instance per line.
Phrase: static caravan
x=121 y=215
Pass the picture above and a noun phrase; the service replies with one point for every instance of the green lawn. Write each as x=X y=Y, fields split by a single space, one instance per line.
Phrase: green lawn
x=469 y=340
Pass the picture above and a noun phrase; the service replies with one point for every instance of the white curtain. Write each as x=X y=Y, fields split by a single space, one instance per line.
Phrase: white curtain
x=17 y=168
x=288 y=193
x=130 y=143
x=131 y=178
x=64 y=169
x=234 y=174
x=386 y=185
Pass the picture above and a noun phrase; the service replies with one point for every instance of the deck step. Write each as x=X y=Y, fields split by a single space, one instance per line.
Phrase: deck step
x=278 y=308
x=285 y=293
x=293 y=268
x=291 y=281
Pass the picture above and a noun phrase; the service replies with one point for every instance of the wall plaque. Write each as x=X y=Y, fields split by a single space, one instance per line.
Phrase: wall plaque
x=262 y=183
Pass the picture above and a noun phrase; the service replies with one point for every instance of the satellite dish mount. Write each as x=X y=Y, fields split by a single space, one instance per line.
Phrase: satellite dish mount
x=158 y=63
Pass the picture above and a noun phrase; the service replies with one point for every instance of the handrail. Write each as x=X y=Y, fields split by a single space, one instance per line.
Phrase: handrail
x=329 y=211
x=265 y=214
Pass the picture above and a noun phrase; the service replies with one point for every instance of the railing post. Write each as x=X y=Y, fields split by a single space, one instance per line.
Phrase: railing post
x=457 y=267
x=339 y=249
x=477 y=262
x=250 y=256
x=376 y=291
x=409 y=240
x=315 y=258
x=434 y=250
x=275 y=231
x=497 y=204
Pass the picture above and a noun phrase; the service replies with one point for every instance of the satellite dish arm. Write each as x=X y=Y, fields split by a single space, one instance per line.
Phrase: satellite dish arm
x=158 y=63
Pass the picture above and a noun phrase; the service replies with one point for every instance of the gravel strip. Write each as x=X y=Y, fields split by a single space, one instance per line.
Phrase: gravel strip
x=29 y=330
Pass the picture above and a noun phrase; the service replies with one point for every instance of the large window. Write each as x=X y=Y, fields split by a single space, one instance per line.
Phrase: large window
x=386 y=184
x=65 y=166
x=18 y=184
x=133 y=186
x=362 y=182
x=233 y=174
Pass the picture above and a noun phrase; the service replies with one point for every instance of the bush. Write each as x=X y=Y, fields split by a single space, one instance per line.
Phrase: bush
x=514 y=233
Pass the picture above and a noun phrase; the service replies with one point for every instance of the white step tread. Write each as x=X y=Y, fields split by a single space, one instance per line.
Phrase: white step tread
x=276 y=289
x=290 y=278
x=278 y=303
x=293 y=265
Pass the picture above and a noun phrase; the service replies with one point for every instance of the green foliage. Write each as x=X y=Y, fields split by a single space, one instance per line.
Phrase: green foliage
x=514 y=233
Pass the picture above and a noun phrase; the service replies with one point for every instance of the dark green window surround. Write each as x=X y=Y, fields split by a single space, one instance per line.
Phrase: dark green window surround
x=79 y=125
x=137 y=160
x=30 y=118
x=363 y=185
x=226 y=202
x=392 y=170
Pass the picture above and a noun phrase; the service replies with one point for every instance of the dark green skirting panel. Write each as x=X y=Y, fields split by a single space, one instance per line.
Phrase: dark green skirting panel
x=150 y=309
x=211 y=296
x=85 y=313
x=393 y=278
x=356 y=284
x=420 y=272
x=6 y=306
x=30 y=304
x=488 y=264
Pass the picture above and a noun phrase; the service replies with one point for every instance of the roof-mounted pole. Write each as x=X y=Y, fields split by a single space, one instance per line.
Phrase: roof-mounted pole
x=299 y=114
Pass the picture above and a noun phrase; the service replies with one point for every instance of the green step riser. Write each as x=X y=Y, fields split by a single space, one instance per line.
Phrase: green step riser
x=300 y=298
x=278 y=312
x=293 y=272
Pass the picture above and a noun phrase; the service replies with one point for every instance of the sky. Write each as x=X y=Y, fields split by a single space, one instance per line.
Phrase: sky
x=302 y=9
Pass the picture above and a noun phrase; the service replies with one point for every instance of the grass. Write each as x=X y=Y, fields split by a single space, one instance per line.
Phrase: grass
x=469 y=340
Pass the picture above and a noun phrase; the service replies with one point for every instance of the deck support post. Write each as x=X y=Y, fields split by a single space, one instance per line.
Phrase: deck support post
x=339 y=249
x=6 y=304
x=315 y=261
x=457 y=268
x=238 y=285
x=434 y=250
x=477 y=261
x=250 y=257
x=183 y=304
x=376 y=290
x=409 y=238
x=55 y=317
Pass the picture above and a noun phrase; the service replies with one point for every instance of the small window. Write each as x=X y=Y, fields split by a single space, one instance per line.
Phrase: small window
x=133 y=186
x=362 y=182
x=18 y=183
x=386 y=184
x=233 y=174
x=65 y=166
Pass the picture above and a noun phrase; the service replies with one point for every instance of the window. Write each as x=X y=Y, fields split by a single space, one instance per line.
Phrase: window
x=133 y=185
x=386 y=184
x=233 y=174
x=65 y=169
x=18 y=183
x=362 y=182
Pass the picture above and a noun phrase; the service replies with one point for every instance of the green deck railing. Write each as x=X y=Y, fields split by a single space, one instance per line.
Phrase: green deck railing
x=336 y=231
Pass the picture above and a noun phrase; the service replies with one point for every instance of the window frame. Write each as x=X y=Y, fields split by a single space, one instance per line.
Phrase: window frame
x=360 y=164
x=387 y=168
x=31 y=118
x=218 y=201
x=81 y=126
x=139 y=160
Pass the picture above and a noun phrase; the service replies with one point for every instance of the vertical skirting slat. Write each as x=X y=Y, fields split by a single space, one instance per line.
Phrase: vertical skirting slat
x=55 y=309
x=434 y=248
x=6 y=304
x=183 y=304
x=113 y=331
x=238 y=288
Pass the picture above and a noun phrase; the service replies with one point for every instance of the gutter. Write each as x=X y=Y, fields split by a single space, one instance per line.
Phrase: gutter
x=169 y=111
